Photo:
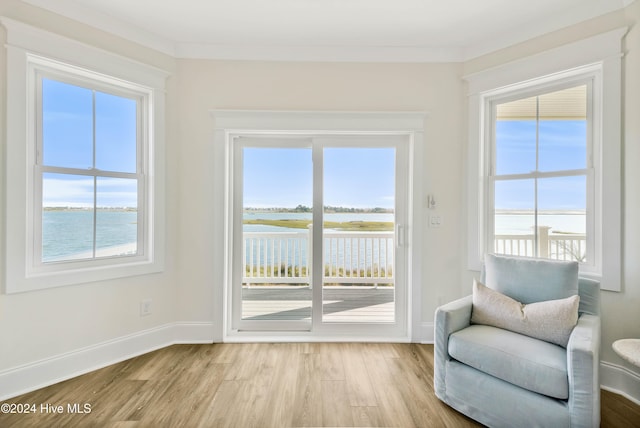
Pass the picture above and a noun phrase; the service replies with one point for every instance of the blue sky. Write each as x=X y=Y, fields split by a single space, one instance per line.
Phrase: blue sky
x=68 y=141
x=353 y=177
x=562 y=147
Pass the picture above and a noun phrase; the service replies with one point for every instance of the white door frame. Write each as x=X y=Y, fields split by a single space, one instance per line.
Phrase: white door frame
x=229 y=124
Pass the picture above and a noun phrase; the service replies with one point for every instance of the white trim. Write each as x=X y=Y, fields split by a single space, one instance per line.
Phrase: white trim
x=600 y=56
x=427 y=335
x=228 y=123
x=48 y=371
x=277 y=121
x=591 y=50
x=29 y=48
x=54 y=46
x=620 y=380
x=302 y=337
x=400 y=142
x=379 y=54
x=105 y=22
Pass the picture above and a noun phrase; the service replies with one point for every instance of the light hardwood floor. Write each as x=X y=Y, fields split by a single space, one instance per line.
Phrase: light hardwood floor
x=264 y=385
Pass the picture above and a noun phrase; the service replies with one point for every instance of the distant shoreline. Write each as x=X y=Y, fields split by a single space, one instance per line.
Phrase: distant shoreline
x=327 y=209
x=84 y=209
x=370 y=226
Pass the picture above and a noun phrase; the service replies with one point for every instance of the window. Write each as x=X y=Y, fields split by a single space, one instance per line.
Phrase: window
x=544 y=158
x=541 y=175
x=87 y=170
x=85 y=163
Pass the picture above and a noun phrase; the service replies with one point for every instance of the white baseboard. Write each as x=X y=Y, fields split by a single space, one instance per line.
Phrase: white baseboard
x=426 y=334
x=29 y=377
x=620 y=380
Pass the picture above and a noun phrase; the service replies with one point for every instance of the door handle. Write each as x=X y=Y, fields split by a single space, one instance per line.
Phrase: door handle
x=400 y=230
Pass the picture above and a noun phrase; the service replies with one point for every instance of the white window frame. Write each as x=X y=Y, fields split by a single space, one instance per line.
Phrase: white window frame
x=31 y=54
x=597 y=60
x=589 y=76
x=316 y=142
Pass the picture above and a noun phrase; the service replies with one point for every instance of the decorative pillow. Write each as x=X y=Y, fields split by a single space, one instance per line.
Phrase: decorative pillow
x=551 y=320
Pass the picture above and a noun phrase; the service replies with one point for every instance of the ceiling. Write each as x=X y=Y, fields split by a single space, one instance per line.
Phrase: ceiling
x=337 y=30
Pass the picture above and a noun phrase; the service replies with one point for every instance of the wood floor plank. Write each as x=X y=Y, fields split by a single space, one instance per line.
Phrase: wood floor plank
x=222 y=408
x=368 y=416
x=259 y=389
x=245 y=368
x=336 y=411
x=265 y=385
x=307 y=406
x=331 y=366
x=361 y=392
x=618 y=411
x=188 y=396
x=393 y=409
x=280 y=401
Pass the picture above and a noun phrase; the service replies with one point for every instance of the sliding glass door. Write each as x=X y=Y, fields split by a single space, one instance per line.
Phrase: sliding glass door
x=318 y=234
x=359 y=192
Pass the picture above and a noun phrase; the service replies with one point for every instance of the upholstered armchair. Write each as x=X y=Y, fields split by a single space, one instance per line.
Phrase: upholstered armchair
x=524 y=350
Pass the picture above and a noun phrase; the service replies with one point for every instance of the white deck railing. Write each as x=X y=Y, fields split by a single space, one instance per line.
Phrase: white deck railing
x=552 y=246
x=358 y=257
x=279 y=257
x=349 y=257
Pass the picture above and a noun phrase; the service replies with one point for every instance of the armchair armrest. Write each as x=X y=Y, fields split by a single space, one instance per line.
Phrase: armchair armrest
x=449 y=318
x=453 y=316
x=583 y=361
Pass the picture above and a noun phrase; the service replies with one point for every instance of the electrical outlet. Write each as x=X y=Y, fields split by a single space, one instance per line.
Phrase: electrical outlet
x=145 y=307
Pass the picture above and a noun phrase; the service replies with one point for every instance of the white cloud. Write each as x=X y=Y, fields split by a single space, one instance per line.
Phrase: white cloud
x=78 y=192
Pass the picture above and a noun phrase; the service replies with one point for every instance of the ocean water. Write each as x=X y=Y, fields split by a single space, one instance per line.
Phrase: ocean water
x=68 y=234
x=522 y=224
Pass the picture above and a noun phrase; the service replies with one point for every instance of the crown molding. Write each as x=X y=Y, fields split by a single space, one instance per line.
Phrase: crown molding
x=319 y=53
x=107 y=23
x=389 y=54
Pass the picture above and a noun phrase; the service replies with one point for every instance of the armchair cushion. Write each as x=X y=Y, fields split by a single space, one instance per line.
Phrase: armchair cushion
x=551 y=320
x=530 y=363
x=530 y=280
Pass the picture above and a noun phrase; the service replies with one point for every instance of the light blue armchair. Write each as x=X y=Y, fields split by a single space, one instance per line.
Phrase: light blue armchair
x=505 y=379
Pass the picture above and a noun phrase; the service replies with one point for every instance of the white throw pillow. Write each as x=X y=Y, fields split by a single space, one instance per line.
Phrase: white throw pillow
x=551 y=320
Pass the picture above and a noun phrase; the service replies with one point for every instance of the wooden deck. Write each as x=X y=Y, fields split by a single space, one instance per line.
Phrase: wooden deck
x=340 y=304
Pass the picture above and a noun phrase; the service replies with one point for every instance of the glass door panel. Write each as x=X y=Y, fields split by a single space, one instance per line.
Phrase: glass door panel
x=277 y=195
x=359 y=235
